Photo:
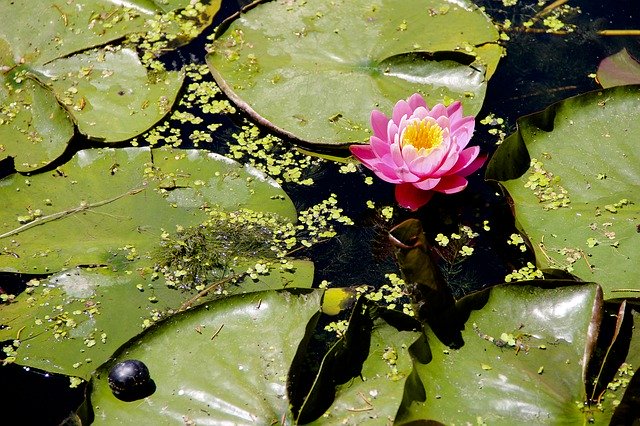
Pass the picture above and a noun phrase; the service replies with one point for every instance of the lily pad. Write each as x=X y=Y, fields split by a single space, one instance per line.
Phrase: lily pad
x=34 y=127
x=47 y=60
x=111 y=207
x=73 y=321
x=572 y=172
x=117 y=99
x=327 y=64
x=42 y=32
x=232 y=371
x=523 y=361
x=618 y=69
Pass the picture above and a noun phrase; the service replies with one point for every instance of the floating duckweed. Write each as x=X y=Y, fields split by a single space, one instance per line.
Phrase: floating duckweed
x=466 y=230
x=518 y=241
x=391 y=294
x=485 y=225
x=199 y=254
x=268 y=154
x=498 y=126
x=338 y=327
x=546 y=187
x=528 y=272
x=387 y=213
x=442 y=240
x=613 y=208
x=348 y=168
x=466 y=251
x=161 y=34
x=390 y=356
x=74 y=382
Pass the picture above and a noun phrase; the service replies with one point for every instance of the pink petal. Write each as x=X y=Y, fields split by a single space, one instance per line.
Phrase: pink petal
x=424 y=166
x=427 y=184
x=409 y=153
x=379 y=123
x=416 y=100
x=401 y=109
x=451 y=184
x=405 y=174
x=396 y=154
x=449 y=160
x=392 y=131
x=386 y=173
x=379 y=147
x=454 y=111
x=443 y=122
x=362 y=152
x=465 y=158
x=411 y=197
x=437 y=111
x=420 y=113
x=462 y=130
x=474 y=166
x=468 y=123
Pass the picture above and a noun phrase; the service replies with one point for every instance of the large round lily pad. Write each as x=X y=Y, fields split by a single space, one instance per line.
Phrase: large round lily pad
x=314 y=70
x=222 y=363
x=109 y=206
x=573 y=173
x=523 y=361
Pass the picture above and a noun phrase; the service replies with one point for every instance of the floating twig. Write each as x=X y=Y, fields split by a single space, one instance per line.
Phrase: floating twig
x=54 y=216
x=217 y=332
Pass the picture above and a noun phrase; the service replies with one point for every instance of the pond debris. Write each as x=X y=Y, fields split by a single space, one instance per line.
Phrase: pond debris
x=571 y=256
x=553 y=18
x=214 y=250
x=200 y=254
x=517 y=341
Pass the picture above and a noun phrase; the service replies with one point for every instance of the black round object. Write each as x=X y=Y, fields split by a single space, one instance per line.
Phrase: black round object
x=130 y=380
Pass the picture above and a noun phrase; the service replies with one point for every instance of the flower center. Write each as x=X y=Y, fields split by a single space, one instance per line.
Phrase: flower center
x=422 y=134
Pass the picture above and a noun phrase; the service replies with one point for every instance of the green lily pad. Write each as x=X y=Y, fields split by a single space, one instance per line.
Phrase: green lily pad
x=233 y=370
x=47 y=60
x=42 y=32
x=110 y=207
x=34 y=127
x=117 y=99
x=327 y=64
x=73 y=321
x=523 y=361
x=572 y=172
x=618 y=69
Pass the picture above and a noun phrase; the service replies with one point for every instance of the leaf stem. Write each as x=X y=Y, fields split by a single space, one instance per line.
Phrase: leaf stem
x=54 y=216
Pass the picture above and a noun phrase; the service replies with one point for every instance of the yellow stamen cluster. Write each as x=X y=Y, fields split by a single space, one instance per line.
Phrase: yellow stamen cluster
x=425 y=134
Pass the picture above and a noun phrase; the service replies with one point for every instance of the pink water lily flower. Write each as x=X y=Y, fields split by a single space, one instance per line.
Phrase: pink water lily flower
x=421 y=150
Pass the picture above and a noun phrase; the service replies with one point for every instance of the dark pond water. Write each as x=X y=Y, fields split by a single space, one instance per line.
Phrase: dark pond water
x=539 y=69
